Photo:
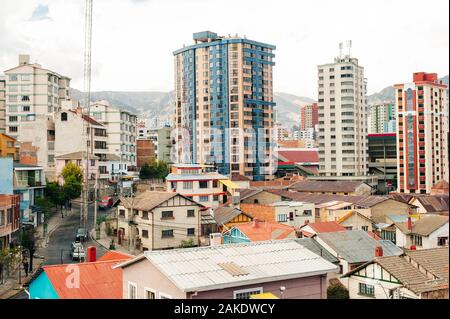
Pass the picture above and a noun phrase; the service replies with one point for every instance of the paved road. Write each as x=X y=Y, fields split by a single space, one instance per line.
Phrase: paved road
x=58 y=250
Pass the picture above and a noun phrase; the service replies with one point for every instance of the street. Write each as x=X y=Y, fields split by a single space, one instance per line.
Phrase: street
x=58 y=250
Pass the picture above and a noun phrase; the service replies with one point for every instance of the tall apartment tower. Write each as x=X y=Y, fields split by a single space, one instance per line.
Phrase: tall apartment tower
x=422 y=133
x=2 y=104
x=382 y=118
x=224 y=104
x=342 y=118
x=309 y=116
x=33 y=95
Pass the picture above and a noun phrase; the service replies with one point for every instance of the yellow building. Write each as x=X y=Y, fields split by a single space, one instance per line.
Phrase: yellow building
x=8 y=146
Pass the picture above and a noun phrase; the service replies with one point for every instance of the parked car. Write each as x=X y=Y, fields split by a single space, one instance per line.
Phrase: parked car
x=81 y=235
x=77 y=251
x=106 y=202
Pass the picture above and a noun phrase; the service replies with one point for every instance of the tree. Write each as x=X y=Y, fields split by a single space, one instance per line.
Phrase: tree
x=145 y=172
x=28 y=241
x=9 y=258
x=337 y=291
x=45 y=205
x=154 y=169
x=72 y=171
x=72 y=187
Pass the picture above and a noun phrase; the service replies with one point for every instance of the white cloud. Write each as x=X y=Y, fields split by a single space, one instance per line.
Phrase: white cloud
x=133 y=40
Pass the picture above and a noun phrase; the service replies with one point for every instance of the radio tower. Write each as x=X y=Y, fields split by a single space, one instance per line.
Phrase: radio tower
x=87 y=104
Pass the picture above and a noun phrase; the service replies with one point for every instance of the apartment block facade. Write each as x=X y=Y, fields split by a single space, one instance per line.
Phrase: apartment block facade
x=381 y=118
x=309 y=116
x=224 y=104
x=422 y=133
x=342 y=118
x=2 y=104
x=121 y=127
x=33 y=94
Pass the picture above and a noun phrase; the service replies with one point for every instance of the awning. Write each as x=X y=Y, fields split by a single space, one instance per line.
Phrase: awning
x=265 y=295
x=229 y=184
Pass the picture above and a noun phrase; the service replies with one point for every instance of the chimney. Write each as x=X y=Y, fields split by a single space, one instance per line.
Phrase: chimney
x=24 y=59
x=379 y=251
x=91 y=254
x=409 y=223
x=413 y=247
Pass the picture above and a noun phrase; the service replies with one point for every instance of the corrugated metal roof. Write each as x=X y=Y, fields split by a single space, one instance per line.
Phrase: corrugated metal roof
x=356 y=246
x=196 y=269
x=195 y=177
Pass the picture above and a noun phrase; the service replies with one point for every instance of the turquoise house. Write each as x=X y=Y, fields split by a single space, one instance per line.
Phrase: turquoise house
x=235 y=236
x=42 y=288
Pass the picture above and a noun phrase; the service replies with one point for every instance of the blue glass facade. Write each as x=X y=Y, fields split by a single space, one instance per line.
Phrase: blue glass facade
x=255 y=55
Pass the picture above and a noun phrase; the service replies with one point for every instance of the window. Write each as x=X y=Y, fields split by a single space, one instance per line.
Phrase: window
x=63 y=117
x=203 y=184
x=132 y=288
x=167 y=233
x=25 y=98
x=366 y=290
x=215 y=184
x=365 y=228
x=188 y=185
x=203 y=198
x=191 y=231
x=416 y=240
x=26 y=108
x=144 y=233
x=281 y=218
x=25 y=77
x=149 y=293
x=13 y=118
x=144 y=215
x=167 y=214
x=216 y=198
x=191 y=213
x=442 y=241
x=246 y=293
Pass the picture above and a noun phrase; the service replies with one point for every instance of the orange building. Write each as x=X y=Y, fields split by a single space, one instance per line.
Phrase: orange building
x=8 y=146
x=9 y=218
x=145 y=151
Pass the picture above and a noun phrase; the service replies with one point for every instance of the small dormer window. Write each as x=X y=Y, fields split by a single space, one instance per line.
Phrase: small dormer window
x=63 y=117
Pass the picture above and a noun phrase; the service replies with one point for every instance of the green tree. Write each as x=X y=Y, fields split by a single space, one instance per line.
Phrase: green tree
x=9 y=259
x=337 y=291
x=145 y=172
x=72 y=171
x=72 y=187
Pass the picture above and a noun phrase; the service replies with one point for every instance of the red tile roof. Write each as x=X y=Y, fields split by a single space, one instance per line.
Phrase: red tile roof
x=260 y=230
x=114 y=255
x=97 y=280
x=326 y=227
x=299 y=156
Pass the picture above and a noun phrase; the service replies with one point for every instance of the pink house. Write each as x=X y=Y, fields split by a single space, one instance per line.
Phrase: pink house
x=79 y=159
x=285 y=268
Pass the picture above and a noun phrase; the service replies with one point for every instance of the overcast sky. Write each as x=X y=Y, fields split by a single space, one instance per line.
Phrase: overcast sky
x=133 y=40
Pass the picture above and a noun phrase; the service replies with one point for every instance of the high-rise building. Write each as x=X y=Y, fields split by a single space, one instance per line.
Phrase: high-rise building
x=422 y=133
x=2 y=104
x=120 y=128
x=309 y=116
x=342 y=118
x=33 y=94
x=382 y=118
x=224 y=104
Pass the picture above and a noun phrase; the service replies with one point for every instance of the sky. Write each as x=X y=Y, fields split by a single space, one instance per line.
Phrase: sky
x=133 y=40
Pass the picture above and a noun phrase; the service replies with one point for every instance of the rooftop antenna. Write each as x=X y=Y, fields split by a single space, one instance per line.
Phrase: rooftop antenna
x=349 y=47
x=340 y=49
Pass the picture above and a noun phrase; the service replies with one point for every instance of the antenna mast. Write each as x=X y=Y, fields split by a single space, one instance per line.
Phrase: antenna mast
x=86 y=124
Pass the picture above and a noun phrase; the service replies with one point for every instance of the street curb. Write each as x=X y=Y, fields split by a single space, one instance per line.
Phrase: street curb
x=46 y=240
x=93 y=239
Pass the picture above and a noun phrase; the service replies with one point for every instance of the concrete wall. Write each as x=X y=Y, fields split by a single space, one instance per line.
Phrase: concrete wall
x=263 y=198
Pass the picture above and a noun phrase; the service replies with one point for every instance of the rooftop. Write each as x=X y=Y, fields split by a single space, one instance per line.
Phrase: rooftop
x=195 y=177
x=208 y=268
x=425 y=225
x=148 y=200
x=265 y=230
x=326 y=186
x=326 y=227
x=356 y=246
x=223 y=214
x=76 y=155
x=434 y=260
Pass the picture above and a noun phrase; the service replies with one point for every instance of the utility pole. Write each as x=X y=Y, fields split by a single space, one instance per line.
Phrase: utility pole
x=95 y=207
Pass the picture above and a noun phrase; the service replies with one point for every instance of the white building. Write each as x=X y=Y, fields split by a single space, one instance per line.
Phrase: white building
x=2 y=104
x=342 y=125
x=120 y=128
x=416 y=275
x=381 y=118
x=293 y=213
x=33 y=94
x=430 y=231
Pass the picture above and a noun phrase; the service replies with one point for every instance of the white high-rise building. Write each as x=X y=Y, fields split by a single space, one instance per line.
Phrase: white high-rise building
x=342 y=118
x=121 y=130
x=33 y=95
x=382 y=118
